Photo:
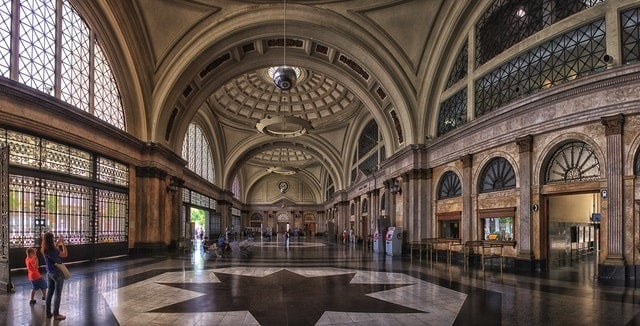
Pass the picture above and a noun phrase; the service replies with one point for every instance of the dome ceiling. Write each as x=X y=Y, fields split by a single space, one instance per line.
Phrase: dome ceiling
x=253 y=96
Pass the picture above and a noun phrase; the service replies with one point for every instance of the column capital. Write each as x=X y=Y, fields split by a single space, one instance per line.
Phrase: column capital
x=613 y=125
x=525 y=143
x=466 y=160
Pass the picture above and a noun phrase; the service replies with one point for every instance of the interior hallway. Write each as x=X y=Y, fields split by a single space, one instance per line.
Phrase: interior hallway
x=311 y=282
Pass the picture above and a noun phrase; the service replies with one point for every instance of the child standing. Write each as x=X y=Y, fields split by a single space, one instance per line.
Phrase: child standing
x=33 y=273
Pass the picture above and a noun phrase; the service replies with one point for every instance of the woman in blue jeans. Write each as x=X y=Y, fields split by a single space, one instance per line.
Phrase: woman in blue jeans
x=53 y=253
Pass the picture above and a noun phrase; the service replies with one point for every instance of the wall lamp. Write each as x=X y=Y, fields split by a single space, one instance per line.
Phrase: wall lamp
x=395 y=187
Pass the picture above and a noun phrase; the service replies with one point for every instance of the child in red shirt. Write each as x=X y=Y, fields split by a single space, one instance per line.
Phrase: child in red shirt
x=33 y=273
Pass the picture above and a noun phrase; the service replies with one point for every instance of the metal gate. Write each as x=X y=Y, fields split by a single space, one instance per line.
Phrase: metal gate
x=5 y=273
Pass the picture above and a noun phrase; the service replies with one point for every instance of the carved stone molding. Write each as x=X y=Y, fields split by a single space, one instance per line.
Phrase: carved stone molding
x=150 y=172
x=613 y=125
x=525 y=144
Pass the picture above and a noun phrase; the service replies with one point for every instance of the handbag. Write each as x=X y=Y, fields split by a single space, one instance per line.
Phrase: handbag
x=65 y=271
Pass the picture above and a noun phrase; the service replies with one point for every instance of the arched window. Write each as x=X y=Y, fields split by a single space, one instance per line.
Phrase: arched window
x=636 y=163
x=235 y=188
x=365 y=205
x=72 y=66
x=574 y=161
x=497 y=175
x=197 y=152
x=353 y=209
x=383 y=201
x=449 y=186
x=370 y=151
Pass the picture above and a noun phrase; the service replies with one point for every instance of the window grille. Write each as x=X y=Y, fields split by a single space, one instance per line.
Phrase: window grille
x=453 y=112
x=449 y=186
x=565 y=58
x=197 y=152
x=459 y=70
x=630 y=35
x=497 y=175
x=574 y=161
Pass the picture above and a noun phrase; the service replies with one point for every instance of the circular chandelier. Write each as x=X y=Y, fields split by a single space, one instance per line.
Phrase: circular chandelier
x=283 y=126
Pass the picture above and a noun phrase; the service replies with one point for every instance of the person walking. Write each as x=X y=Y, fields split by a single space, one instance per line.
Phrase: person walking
x=53 y=253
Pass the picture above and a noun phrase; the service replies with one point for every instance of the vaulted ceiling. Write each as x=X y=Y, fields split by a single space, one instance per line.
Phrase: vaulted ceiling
x=208 y=61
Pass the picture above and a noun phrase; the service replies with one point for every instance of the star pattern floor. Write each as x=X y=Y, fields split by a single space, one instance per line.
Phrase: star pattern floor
x=315 y=283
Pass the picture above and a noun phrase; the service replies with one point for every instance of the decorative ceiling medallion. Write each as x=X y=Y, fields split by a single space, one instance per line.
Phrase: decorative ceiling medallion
x=283 y=126
x=284 y=170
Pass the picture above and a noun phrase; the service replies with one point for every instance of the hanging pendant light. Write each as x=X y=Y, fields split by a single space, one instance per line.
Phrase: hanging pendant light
x=285 y=77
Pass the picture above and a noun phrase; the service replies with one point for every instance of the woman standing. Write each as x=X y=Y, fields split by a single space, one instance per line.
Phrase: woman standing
x=53 y=253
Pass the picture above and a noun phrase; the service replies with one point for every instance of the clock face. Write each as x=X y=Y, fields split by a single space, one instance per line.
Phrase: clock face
x=283 y=186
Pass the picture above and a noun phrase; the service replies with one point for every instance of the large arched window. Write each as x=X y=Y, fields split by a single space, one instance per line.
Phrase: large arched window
x=573 y=161
x=370 y=150
x=197 y=152
x=636 y=163
x=235 y=187
x=61 y=57
x=497 y=175
x=449 y=186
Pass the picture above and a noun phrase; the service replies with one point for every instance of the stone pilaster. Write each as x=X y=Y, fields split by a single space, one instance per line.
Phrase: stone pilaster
x=466 y=233
x=152 y=198
x=418 y=211
x=525 y=145
x=614 y=175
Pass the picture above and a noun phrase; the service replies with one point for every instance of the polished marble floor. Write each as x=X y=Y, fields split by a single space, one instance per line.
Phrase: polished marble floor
x=310 y=282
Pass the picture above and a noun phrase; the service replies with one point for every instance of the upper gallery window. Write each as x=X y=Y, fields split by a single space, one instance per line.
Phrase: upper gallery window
x=196 y=151
x=58 y=55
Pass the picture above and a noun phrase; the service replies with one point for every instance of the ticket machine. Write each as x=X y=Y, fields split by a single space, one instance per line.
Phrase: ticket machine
x=378 y=242
x=394 y=241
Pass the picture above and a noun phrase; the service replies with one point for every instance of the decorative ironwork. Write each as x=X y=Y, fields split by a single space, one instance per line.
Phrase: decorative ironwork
x=630 y=35
x=112 y=217
x=497 y=175
x=459 y=69
x=76 y=62
x=5 y=38
x=37 y=45
x=59 y=66
x=112 y=172
x=507 y=22
x=107 y=104
x=574 y=161
x=565 y=58
x=197 y=152
x=453 y=112
x=449 y=186
x=368 y=139
x=5 y=271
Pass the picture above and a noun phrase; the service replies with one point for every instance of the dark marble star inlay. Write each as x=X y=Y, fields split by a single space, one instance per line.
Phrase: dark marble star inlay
x=285 y=297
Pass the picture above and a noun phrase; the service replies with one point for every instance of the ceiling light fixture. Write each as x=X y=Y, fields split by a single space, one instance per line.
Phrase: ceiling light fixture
x=284 y=76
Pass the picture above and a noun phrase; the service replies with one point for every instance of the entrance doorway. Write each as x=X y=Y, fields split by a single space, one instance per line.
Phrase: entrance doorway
x=571 y=236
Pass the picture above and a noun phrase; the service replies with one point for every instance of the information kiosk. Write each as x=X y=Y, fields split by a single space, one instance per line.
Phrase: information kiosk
x=378 y=242
x=394 y=241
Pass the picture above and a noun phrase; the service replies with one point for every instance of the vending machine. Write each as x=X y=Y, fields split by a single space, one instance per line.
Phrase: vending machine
x=394 y=241
x=378 y=242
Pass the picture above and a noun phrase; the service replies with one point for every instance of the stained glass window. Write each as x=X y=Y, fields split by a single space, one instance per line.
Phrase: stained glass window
x=453 y=112
x=565 y=58
x=497 y=175
x=113 y=172
x=449 y=186
x=574 y=161
x=197 y=152
x=630 y=35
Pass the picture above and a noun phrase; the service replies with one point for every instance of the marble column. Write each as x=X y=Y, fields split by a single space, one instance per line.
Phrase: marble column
x=466 y=233
x=614 y=175
x=525 y=145
x=418 y=210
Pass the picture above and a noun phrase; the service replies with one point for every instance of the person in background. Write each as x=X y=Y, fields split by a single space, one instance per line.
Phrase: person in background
x=33 y=274
x=53 y=253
